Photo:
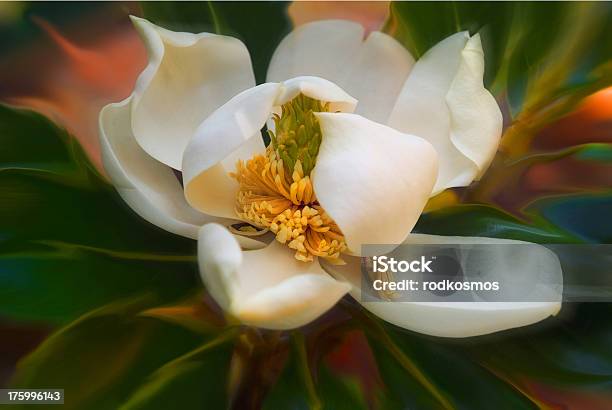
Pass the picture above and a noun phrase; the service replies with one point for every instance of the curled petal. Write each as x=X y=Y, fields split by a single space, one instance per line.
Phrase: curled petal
x=444 y=101
x=188 y=76
x=149 y=187
x=476 y=120
x=318 y=89
x=233 y=132
x=267 y=288
x=371 y=179
x=229 y=134
x=465 y=319
x=371 y=70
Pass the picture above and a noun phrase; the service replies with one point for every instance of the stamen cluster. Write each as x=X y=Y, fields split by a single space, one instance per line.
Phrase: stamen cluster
x=297 y=133
x=276 y=192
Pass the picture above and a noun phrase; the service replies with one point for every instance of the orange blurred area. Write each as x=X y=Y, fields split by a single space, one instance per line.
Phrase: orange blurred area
x=371 y=14
x=365 y=370
x=553 y=166
x=552 y=397
x=69 y=74
x=590 y=122
x=566 y=175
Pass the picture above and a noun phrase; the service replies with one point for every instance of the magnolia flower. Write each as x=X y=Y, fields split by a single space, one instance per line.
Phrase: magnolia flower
x=361 y=137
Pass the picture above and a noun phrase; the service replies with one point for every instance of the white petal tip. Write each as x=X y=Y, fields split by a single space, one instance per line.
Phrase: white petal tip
x=459 y=319
x=219 y=257
x=293 y=303
x=319 y=89
x=140 y=23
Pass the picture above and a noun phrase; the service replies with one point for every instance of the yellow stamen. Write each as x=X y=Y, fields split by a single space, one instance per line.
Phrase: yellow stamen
x=276 y=192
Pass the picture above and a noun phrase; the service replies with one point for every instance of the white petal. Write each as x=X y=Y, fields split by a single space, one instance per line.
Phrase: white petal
x=377 y=75
x=268 y=288
x=233 y=132
x=188 y=76
x=462 y=319
x=476 y=120
x=322 y=49
x=445 y=102
x=465 y=319
x=149 y=187
x=371 y=179
x=373 y=71
x=219 y=258
x=230 y=133
x=319 y=89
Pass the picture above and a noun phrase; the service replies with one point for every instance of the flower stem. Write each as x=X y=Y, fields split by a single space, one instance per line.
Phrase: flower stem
x=300 y=347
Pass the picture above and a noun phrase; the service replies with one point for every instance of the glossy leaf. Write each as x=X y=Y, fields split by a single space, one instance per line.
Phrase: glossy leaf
x=294 y=388
x=584 y=215
x=307 y=382
x=571 y=352
x=52 y=193
x=101 y=358
x=514 y=184
x=520 y=39
x=68 y=243
x=58 y=283
x=197 y=379
x=596 y=152
x=459 y=380
x=568 y=352
x=483 y=220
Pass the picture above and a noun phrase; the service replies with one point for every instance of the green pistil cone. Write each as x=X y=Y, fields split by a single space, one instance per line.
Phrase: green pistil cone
x=298 y=133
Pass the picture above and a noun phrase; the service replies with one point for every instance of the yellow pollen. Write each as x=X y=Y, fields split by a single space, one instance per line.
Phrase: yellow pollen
x=287 y=207
x=275 y=190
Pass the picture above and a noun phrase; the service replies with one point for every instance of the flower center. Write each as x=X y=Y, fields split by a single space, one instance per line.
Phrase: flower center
x=276 y=191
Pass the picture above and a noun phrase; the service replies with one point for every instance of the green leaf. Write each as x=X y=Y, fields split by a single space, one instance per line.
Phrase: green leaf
x=572 y=351
x=260 y=25
x=400 y=390
x=596 y=152
x=68 y=243
x=585 y=215
x=103 y=357
x=574 y=169
x=195 y=380
x=535 y=53
x=59 y=283
x=568 y=352
x=51 y=192
x=484 y=220
x=463 y=383
x=293 y=389
x=30 y=140
x=339 y=391
x=420 y=371
x=420 y=26
x=302 y=385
